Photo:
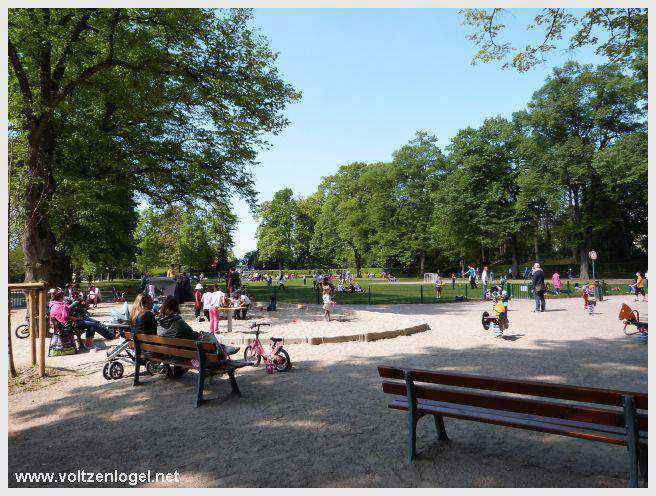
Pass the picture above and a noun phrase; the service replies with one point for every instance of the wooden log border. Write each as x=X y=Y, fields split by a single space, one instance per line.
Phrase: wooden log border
x=365 y=337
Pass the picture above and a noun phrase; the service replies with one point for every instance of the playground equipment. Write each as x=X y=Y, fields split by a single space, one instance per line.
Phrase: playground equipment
x=37 y=323
x=499 y=322
x=631 y=317
x=430 y=277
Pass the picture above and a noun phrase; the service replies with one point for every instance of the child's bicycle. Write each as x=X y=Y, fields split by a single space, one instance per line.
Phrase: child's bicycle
x=277 y=359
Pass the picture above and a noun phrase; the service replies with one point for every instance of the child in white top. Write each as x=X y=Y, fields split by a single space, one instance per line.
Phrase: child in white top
x=327 y=303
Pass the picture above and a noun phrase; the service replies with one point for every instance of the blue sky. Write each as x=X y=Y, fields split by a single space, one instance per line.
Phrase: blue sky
x=370 y=79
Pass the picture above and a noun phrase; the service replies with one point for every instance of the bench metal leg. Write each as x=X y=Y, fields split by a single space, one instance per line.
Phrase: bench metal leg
x=631 y=439
x=233 y=383
x=137 y=366
x=413 y=417
x=642 y=463
x=200 y=385
x=439 y=427
x=412 y=436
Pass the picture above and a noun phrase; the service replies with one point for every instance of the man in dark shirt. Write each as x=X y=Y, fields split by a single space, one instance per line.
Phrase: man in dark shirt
x=539 y=288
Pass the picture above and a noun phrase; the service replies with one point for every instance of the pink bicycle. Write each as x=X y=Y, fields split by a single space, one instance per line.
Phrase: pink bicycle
x=277 y=359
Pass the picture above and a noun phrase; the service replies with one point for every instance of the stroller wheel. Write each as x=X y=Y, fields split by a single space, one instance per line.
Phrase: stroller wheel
x=106 y=371
x=116 y=370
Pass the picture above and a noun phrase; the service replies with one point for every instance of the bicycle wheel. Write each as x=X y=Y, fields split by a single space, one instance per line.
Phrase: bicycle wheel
x=22 y=331
x=281 y=361
x=250 y=355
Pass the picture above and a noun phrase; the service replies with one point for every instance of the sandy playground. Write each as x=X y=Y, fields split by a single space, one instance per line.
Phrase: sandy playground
x=325 y=423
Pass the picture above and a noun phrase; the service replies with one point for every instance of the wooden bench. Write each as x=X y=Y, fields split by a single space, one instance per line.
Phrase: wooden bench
x=211 y=359
x=603 y=415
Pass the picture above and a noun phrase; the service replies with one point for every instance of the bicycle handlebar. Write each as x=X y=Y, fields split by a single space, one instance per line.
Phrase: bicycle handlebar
x=259 y=324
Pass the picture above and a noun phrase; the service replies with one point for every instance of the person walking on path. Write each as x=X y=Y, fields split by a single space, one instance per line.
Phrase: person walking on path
x=539 y=288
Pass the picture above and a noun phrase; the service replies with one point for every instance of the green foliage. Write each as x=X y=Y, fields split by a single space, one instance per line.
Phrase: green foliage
x=171 y=103
x=619 y=34
x=563 y=176
x=182 y=237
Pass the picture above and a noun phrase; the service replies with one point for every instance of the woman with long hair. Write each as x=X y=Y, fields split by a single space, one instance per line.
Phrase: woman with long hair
x=142 y=319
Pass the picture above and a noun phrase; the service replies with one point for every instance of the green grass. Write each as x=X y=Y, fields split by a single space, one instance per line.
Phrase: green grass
x=381 y=292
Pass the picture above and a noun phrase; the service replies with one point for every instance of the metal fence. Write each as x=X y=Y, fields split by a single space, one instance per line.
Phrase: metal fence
x=17 y=299
x=397 y=293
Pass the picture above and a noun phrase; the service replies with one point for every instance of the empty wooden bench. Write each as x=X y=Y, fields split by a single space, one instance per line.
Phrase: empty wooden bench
x=210 y=359
x=603 y=415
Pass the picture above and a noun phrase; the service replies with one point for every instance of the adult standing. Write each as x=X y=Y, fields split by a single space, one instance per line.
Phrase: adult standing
x=539 y=288
x=485 y=281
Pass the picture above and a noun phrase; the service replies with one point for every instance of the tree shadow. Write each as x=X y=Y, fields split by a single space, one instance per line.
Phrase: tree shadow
x=324 y=424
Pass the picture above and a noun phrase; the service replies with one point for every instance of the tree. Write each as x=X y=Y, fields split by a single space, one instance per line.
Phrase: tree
x=274 y=232
x=179 y=100
x=417 y=168
x=477 y=202
x=619 y=34
x=344 y=215
x=578 y=114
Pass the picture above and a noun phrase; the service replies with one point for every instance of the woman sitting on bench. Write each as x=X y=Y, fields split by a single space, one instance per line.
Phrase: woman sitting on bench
x=142 y=319
x=171 y=325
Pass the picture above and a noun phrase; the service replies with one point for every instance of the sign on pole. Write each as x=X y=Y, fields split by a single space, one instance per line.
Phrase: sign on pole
x=593 y=257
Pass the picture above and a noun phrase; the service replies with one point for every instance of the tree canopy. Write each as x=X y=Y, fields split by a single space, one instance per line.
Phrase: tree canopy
x=166 y=105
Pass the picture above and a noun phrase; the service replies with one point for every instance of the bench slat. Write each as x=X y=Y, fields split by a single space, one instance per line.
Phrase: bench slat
x=427 y=404
x=167 y=350
x=518 y=405
x=531 y=388
x=527 y=424
x=182 y=343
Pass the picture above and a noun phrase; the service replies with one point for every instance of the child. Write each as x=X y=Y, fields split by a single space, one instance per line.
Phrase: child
x=206 y=299
x=453 y=281
x=589 y=298
x=198 y=301
x=438 y=287
x=640 y=287
x=94 y=296
x=327 y=303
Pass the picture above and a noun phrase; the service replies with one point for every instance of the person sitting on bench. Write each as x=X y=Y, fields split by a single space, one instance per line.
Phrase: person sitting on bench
x=142 y=319
x=171 y=324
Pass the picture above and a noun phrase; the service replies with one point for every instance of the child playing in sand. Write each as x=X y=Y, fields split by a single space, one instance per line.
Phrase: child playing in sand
x=327 y=303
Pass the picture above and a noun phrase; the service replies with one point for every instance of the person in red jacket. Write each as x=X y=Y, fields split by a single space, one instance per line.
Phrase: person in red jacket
x=198 y=300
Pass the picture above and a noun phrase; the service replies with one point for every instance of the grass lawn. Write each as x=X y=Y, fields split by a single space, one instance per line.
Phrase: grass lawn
x=375 y=291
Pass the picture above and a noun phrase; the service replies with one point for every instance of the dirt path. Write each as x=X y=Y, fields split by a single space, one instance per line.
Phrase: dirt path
x=325 y=423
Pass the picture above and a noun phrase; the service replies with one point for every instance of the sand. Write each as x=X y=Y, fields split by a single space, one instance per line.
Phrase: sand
x=325 y=423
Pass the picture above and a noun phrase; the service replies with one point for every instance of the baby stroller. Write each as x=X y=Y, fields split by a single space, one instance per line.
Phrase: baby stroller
x=631 y=317
x=122 y=352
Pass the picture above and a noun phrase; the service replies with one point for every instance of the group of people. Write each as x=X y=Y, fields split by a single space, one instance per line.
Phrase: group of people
x=209 y=304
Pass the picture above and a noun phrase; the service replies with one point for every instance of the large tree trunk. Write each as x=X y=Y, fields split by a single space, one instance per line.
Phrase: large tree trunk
x=514 y=265
x=535 y=247
x=583 y=254
x=422 y=264
x=42 y=260
x=358 y=261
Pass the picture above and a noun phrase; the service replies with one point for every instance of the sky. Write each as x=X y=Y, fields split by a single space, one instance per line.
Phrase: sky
x=370 y=79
